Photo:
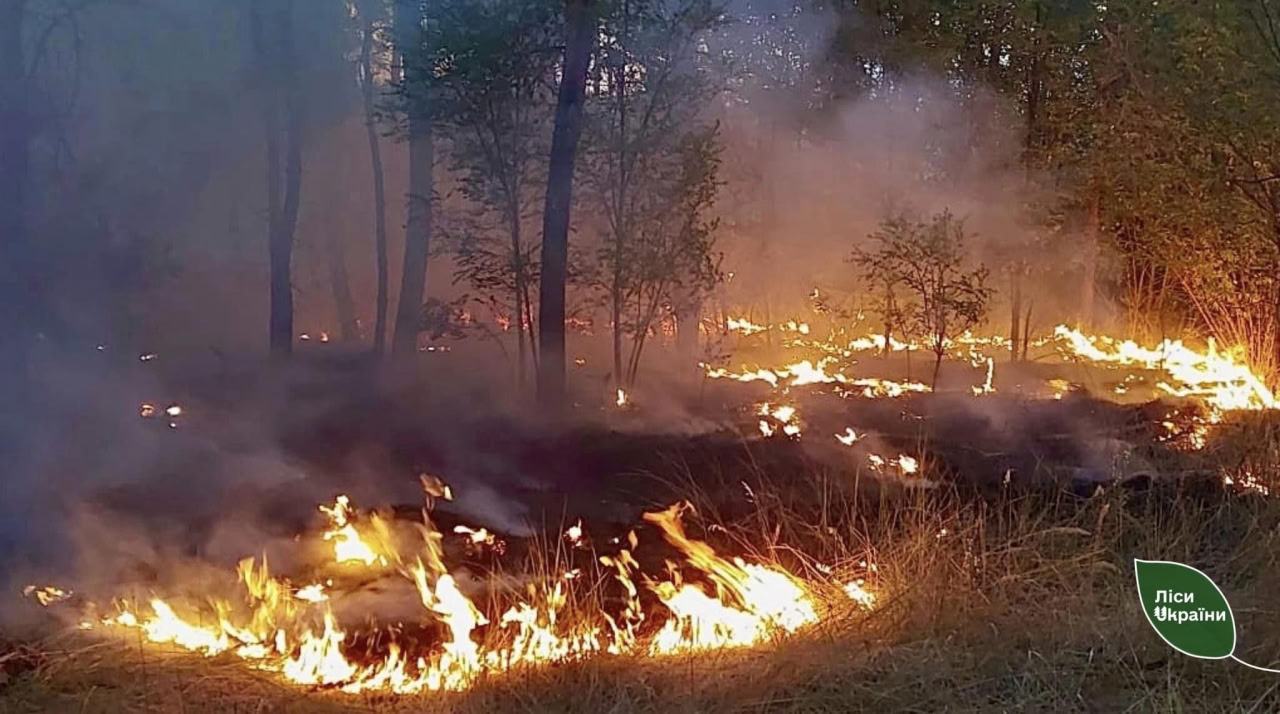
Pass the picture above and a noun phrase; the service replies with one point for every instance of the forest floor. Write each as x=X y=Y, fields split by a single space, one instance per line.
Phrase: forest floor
x=990 y=598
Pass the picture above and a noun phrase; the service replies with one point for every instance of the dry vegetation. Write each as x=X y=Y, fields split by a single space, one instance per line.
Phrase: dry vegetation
x=1014 y=602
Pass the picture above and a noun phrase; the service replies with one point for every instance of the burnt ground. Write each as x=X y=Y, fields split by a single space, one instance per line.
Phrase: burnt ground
x=334 y=430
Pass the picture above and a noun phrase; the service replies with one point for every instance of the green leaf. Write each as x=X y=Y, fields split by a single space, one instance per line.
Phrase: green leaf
x=1186 y=608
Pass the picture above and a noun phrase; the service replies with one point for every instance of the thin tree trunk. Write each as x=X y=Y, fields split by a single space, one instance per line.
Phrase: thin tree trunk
x=620 y=212
x=282 y=270
x=618 y=377
x=888 y=319
x=379 y=184
x=517 y=260
x=1026 y=331
x=1015 y=279
x=580 y=31
x=644 y=318
x=417 y=231
x=531 y=325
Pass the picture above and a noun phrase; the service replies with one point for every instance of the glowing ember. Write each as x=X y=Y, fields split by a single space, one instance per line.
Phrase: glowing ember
x=859 y=594
x=621 y=399
x=46 y=595
x=312 y=593
x=574 y=535
x=848 y=437
x=476 y=535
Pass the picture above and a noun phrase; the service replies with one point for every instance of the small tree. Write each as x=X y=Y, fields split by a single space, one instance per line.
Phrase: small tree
x=928 y=261
x=878 y=270
x=651 y=166
x=492 y=70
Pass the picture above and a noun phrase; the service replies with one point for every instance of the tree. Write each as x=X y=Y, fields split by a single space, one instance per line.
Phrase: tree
x=668 y=262
x=648 y=144
x=928 y=261
x=878 y=270
x=580 y=35
x=370 y=38
x=494 y=66
x=410 y=35
x=278 y=84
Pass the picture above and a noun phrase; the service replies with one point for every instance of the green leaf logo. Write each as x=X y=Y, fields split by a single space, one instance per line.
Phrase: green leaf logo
x=1186 y=608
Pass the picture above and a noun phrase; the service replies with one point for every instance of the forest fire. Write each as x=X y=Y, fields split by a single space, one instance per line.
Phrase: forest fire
x=294 y=630
x=1216 y=378
x=784 y=355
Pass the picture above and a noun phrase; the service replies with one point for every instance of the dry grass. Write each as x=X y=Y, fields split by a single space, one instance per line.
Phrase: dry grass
x=1011 y=603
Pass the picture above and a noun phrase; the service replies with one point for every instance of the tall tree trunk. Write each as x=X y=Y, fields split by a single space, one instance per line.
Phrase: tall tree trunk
x=417 y=232
x=1090 y=277
x=282 y=269
x=517 y=259
x=580 y=32
x=379 y=186
x=276 y=71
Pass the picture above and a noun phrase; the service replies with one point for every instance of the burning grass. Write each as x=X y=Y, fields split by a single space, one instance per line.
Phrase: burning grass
x=1019 y=603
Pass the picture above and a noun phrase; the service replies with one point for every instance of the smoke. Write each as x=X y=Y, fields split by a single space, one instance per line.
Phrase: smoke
x=156 y=243
x=915 y=148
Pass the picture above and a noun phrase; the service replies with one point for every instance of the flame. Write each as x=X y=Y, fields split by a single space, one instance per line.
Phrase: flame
x=848 y=437
x=347 y=545
x=311 y=593
x=476 y=535
x=752 y=601
x=1219 y=379
x=986 y=387
x=859 y=594
x=743 y=325
x=293 y=632
x=783 y=414
x=805 y=372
